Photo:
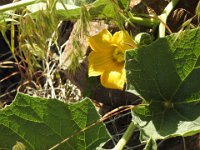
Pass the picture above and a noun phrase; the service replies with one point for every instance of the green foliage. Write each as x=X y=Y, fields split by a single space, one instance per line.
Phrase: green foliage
x=102 y=9
x=78 y=2
x=143 y=38
x=166 y=75
x=124 y=4
x=99 y=9
x=71 y=10
x=40 y=123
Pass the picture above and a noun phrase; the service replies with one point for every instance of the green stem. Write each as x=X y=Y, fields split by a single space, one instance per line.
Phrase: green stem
x=145 y=21
x=127 y=135
x=15 y=5
x=164 y=15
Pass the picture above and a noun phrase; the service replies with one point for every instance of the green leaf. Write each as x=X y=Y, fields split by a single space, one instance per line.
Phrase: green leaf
x=102 y=9
x=124 y=4
x=41 y=123
x=166 y=74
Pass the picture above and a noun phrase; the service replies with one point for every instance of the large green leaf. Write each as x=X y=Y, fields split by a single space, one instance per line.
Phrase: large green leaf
x=41 y=123
x=166 y=74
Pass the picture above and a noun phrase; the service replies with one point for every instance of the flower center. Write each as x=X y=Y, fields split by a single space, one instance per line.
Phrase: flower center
x=118 y=55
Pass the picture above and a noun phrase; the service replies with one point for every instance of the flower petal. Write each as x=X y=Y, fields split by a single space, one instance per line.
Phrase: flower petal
x=123 y=40
x=102 y=61
x=101 y=41
x=114 y=79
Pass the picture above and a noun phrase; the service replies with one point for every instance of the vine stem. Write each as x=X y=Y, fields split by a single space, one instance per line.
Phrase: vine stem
x=126 y=136
x=148 y=21
x=164 y=15
x=15 y=5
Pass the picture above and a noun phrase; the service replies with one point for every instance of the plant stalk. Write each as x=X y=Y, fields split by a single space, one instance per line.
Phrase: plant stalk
x=127 y=135
x=16 y=5
x=144 y=21
x=164 y=15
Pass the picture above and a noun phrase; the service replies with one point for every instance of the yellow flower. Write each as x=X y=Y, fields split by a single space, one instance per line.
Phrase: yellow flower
x=107 y=58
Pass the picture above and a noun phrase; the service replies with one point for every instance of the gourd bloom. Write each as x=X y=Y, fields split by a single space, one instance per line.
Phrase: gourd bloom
x=107 y=57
